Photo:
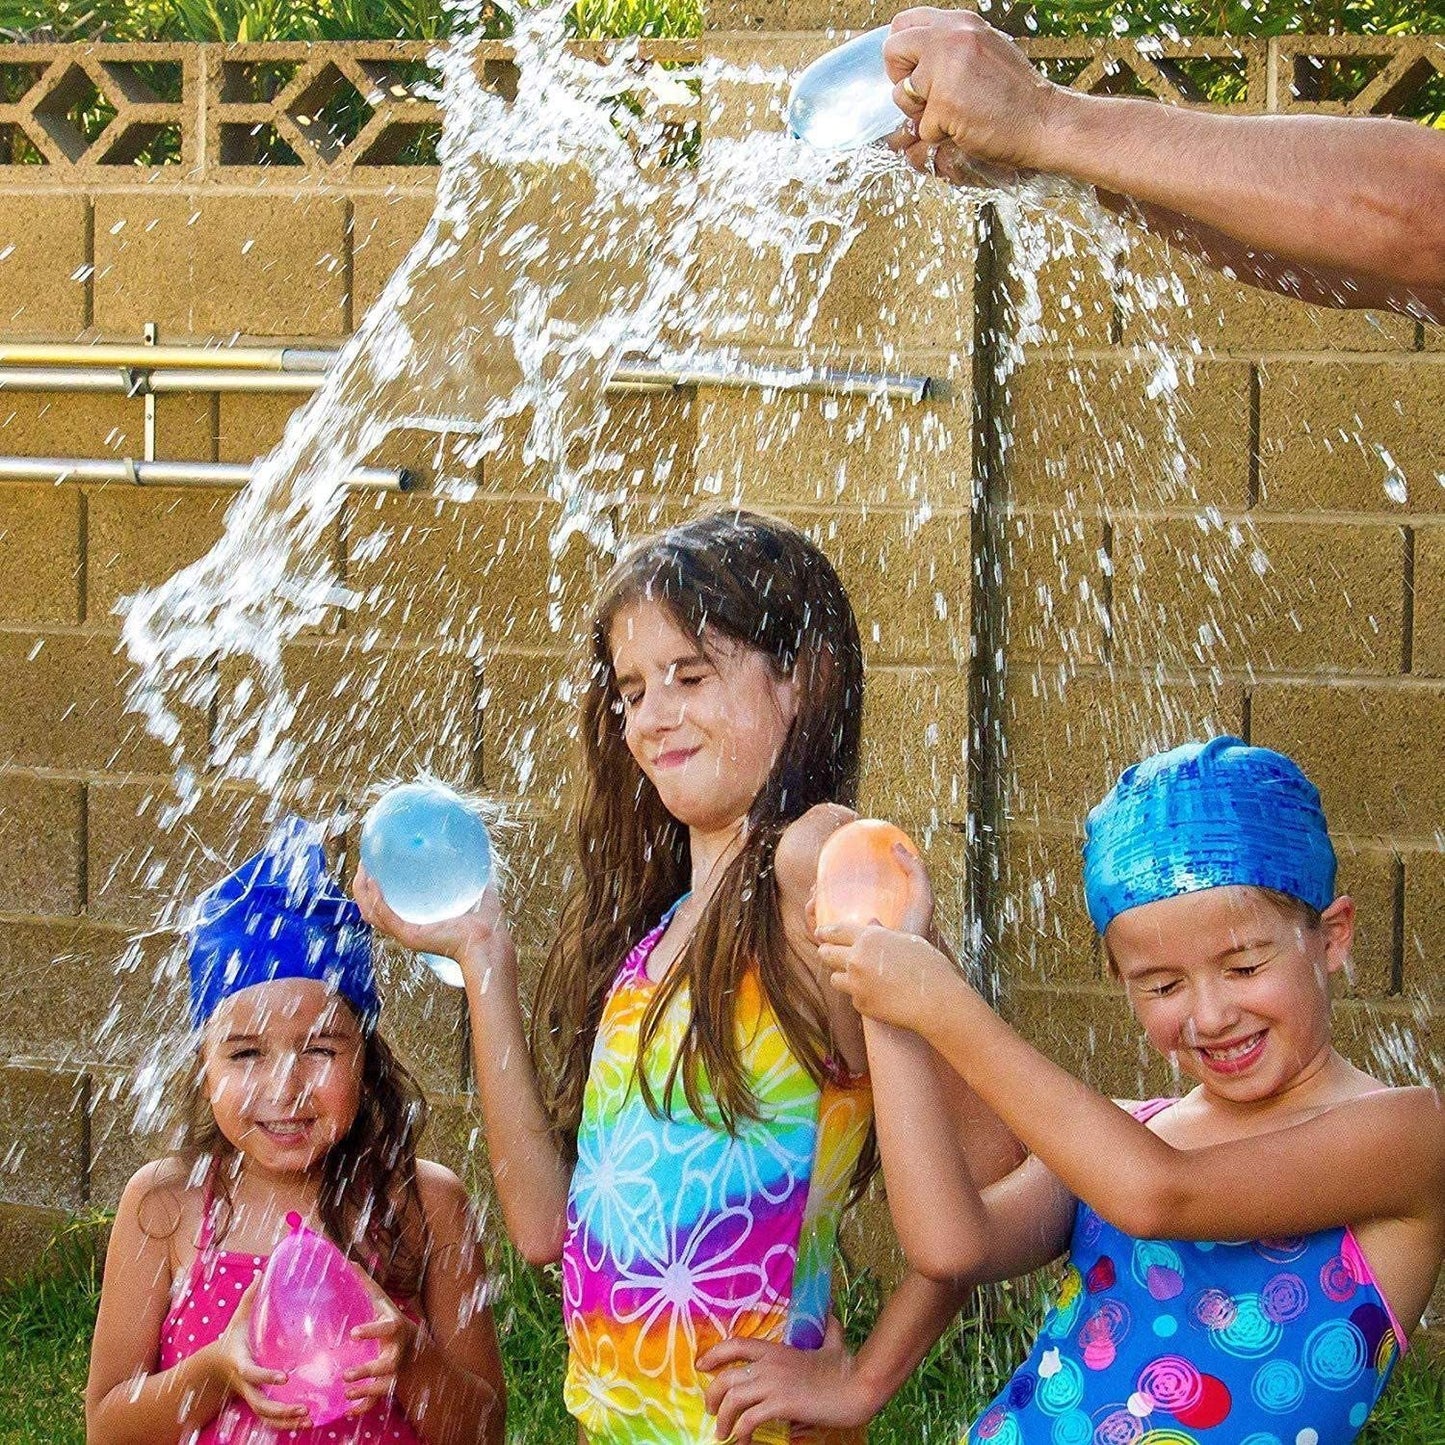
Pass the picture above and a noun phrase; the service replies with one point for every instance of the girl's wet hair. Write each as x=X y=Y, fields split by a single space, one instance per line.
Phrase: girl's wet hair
x=370 y=1201
x=724 y=576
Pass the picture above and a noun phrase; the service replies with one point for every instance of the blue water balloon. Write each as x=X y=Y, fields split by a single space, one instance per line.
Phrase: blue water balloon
x=844 y=99
x=429 y=853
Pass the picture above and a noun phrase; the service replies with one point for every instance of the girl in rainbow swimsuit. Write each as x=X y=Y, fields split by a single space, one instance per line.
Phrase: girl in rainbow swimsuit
x=1244 y=1263
x=684 y=1129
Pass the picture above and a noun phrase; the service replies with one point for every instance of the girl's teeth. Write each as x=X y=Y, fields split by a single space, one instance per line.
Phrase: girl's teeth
x=1235 y=1051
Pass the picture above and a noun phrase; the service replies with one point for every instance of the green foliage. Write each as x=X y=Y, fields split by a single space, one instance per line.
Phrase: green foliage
x=1227 y=17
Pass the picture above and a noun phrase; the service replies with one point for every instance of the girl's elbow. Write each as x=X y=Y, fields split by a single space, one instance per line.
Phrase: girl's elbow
x=539 y=1247
x=1151 y=1209
x=950 y=1260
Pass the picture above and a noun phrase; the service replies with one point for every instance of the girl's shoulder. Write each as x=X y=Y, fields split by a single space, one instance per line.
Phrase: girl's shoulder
x=162 y=1197
x=453 y=1221
x=795 y=861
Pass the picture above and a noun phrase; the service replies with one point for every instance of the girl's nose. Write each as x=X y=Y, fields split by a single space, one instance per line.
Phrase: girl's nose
x=659 y=710
x=1215 y=1011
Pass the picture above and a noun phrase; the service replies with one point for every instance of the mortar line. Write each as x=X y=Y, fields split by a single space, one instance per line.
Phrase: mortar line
x=86 y=1145
x=348 y=267
x=988 y=551
x=1252 y=485
x=82 y=862
x=82 y=559
x=1106 y=592
x=1397 y=929
x=1246 y=714
x=1407 y=609
x=87 y=304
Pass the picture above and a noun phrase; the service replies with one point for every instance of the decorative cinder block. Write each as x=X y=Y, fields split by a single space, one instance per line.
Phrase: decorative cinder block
x=264 y=264
x=1351 y=436
x=1169 y=296
x=1044 y=935
x=1373 y=750
x=40 y=554
x=480 y=573
x=1134 y=432
x=1089 y=1030
x=1428 y=642
x=1231 y=592
x=63 y=705
x=1067 y=738
x=907 y=577
x=363 y=714
x=1055 y=585
x=136 y=538
x=915 y=744
x=41 y=827
x=147 y=859
x=383 y=230
x=785 y=450
x=43 y=270
x=529 y=726
x=45 y=1162
x=73 y=993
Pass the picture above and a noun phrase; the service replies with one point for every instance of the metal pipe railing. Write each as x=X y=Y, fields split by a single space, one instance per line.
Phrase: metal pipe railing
x=175 y=474
x=139 y=370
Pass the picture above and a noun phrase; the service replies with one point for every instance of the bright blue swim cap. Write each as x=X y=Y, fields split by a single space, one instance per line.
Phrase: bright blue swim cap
x=279 y=915
x=1207 y=815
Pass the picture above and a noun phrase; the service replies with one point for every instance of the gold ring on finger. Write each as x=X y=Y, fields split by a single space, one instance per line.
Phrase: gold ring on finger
x=913 y=92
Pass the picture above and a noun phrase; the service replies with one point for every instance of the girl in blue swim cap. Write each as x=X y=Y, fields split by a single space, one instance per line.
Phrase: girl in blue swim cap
x=299 y=1108
x=1244 y=1262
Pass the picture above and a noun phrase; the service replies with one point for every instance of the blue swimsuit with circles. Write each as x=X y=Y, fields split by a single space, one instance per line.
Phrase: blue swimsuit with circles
x=1192 y=1342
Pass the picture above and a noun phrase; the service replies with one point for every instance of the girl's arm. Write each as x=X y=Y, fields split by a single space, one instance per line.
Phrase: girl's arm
x=758 y=1381
x=530 y=1173
x=127 y=1402
x=1375 y=1157
x=446 y=1371
x=927 y=1125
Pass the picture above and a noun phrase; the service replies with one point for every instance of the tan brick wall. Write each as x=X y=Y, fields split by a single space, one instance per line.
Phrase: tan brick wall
x=1228 y=557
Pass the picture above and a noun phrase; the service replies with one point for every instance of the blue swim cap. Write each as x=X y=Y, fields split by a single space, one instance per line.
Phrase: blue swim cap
x=1207 y=815
x=279 y=915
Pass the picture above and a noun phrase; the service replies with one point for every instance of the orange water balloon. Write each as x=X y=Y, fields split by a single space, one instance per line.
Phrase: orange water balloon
x=860 y=879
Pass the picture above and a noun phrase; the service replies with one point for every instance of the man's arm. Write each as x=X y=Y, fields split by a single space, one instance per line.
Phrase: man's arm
x=1344 y=211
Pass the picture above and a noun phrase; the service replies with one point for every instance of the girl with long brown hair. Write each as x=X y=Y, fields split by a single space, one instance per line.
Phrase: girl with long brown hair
x=301 y=1113
x=683 y=1124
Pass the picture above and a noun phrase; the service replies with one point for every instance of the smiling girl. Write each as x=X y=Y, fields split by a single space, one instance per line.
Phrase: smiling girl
x=300 y=1109
x=684 y=1133
x=1246 y=1262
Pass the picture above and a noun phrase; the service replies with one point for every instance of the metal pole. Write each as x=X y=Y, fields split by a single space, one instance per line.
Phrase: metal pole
x=136 y=370
x=175 y=474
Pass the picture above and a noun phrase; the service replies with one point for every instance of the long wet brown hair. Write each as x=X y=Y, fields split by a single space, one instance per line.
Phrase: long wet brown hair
x=370 y=1204
x=748 y=579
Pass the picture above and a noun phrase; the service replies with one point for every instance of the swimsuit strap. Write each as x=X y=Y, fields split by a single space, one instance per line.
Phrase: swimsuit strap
x=1149 y=1108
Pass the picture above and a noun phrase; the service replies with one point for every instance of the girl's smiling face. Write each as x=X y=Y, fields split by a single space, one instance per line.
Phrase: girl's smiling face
x=1234 y=985
x=705 y=725
x=281 y=1067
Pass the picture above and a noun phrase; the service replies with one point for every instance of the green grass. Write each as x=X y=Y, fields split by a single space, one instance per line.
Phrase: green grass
x=45 y=1325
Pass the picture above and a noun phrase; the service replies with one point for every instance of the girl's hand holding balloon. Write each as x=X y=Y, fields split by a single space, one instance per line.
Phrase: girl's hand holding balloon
x=895 y=978
x=477 y=939
x=244 y=1378
x=397 y=1337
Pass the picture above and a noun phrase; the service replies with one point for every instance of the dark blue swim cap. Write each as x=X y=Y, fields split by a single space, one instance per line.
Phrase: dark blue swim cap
x=279 y=915
x=1207 y=815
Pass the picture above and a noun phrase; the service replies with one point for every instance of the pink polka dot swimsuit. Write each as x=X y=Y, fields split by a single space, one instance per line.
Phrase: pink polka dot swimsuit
x=200 y=1312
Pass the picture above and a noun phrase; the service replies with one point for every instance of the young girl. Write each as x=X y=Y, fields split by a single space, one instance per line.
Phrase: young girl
x=684 y=1130
x=301 y=1109
x=1244 y=1262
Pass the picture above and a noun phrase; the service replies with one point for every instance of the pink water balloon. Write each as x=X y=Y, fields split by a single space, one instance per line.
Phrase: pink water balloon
x=309 y=1300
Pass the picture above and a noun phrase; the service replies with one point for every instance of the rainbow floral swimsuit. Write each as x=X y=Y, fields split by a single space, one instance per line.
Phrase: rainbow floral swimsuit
x=1189 y=1342
x=680 y=1235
